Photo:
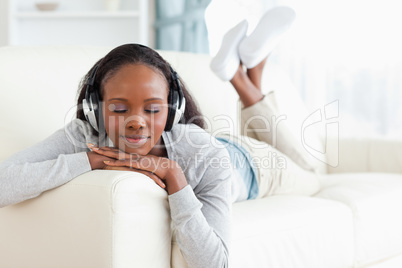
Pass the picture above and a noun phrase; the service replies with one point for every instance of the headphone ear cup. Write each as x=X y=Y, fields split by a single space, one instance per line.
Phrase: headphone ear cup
x=176 y=102
x=91 y=111
x=179 y=111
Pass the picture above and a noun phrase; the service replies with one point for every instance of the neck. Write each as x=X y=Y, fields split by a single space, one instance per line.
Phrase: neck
x=159 y=149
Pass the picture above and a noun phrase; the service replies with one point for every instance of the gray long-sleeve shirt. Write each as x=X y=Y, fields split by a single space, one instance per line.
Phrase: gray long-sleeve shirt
x=200 y=211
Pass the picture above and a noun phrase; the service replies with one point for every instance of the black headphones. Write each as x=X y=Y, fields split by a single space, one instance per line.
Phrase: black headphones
x=92 y=107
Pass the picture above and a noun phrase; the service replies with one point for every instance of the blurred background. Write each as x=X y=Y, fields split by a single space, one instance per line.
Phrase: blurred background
x=345 y=50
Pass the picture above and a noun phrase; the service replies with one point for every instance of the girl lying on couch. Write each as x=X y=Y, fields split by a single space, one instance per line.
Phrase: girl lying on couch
x=138 y=116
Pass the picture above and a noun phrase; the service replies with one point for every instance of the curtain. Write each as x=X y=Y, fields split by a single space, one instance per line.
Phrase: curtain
x=345 y=51
x=180 y=25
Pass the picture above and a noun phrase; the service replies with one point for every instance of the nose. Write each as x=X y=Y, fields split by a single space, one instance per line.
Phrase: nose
x=135 y=123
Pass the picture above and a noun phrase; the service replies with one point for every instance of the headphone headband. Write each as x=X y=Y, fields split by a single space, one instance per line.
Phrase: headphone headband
x=91 y=78
x=93 y=108
x=176 y=79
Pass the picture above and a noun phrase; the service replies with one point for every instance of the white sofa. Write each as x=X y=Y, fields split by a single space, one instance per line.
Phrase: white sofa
x=93 y=221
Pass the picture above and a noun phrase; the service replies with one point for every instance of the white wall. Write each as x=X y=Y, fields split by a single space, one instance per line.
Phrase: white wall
x=86 y=31
x=3 y=22
x=234 y=11
x=151 y=20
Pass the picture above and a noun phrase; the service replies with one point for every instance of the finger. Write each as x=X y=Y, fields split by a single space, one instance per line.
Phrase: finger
x=111 y=152
x=144 y=163
x=121 y=163
x=117 y=168
x=155 y=178
x=151 y=175
x=104 y=148
x=149 y=163
x=107 y=148
x=92 y=146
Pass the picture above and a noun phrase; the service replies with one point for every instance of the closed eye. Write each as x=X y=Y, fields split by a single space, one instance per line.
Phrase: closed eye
x=152 y=111
x=152 y=108
x=119 y=111
x=117 y=108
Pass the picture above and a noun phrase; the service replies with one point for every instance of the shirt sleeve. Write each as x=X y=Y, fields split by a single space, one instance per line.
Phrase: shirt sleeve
x=202 y=217
x=49 y=164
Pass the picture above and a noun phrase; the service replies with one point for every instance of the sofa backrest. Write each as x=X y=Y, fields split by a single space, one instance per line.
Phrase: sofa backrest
x=37 y=91
x=38 y=87
x=217 y=100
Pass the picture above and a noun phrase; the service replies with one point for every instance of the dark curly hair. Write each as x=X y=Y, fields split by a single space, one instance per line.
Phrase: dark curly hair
x=137 y=54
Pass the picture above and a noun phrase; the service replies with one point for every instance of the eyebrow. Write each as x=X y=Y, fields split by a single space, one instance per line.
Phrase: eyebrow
x=122 y=99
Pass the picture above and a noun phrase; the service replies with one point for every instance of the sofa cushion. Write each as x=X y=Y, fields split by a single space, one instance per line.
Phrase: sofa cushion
x=288 y=231
x=292 y=232
x=375 y=200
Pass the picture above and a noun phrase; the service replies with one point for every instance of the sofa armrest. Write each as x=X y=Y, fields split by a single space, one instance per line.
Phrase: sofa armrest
x=367 y=155
x=100 y=219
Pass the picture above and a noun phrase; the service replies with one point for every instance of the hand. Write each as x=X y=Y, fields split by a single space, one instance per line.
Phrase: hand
x=147 y=173
x=165 y=172
x=97 y=161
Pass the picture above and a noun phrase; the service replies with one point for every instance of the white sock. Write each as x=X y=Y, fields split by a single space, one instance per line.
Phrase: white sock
x=227 y=60
x=264 y=38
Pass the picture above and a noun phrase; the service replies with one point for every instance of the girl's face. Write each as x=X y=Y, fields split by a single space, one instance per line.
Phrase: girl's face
x=135 y=108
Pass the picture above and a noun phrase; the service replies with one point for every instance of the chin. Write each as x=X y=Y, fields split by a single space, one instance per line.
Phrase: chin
x=139 y=151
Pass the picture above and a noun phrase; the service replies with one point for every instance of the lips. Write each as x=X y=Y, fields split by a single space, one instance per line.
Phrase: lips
x=136 y=140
